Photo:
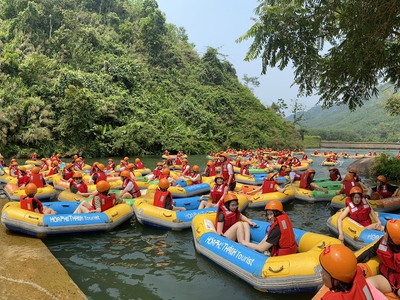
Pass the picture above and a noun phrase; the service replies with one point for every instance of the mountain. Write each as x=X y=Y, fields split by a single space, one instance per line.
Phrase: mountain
x=369 y=122
x=112 y=77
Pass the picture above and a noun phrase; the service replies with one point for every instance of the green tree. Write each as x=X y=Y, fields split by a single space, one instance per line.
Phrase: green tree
x=340 y=49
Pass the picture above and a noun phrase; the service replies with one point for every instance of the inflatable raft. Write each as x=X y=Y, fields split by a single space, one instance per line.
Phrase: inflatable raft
x=382 y=205
x=355 y=234
x=314 y=196
x=46 y=193
x=186 y=191
x=260 y=200
x=148 y=214
x=64 y=222
x=293 y=273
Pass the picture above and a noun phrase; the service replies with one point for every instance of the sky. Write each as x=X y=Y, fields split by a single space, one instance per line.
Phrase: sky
x=218 y=24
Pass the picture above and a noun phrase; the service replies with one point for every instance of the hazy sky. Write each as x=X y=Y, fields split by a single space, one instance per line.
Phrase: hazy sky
x=218 y=23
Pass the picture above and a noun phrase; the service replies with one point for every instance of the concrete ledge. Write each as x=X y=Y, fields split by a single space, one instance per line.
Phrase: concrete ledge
x=28 y=270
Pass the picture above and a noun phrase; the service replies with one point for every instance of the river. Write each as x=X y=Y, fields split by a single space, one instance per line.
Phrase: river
x=137 y=262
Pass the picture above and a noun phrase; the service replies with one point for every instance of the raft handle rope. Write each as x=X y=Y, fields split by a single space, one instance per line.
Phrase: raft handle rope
x=276 y=271
x=352 y=230
x=322 y=246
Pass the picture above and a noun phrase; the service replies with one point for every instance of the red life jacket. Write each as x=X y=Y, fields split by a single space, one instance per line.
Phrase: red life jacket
x=359 y=213
x=23 y=179
x=384 y=191
x=244 y=170
x=359 y=290
x=139 y=165
x=67 y=174
x=106 y=201
x=27 y=203
x=160 y=197
x=111 y=166
x=304 y=181
x=225 y=174
x=296 y=163
x=136 y=191
x=34 y=157
x=92 y=170
x=178 y=161
x=230 y=217
x=263 y=164
x=297 y=175
x=197 y=181
x=37 y=179
x=347 y=186
x=100 y=176
x=82 y=187
x=210 y=171
x=390 y=264
x=186 y=170
x=44 y=166
x=268 y=186
x=2 y=163
x=217 y=192
x=157 y=173
x=287 y=242
x=13 y=171
x=54 y=170
x=334 y=176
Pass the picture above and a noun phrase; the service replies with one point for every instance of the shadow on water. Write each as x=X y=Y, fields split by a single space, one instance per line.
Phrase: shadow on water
x=137 y=262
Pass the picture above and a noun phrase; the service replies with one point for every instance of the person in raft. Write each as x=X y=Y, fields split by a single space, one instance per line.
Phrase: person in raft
x=227 y=171
x=334 y=174
x=307 y=181
x=163 y=197
x=343 y=277
x=218 y=192
x=269 y=185
x=31 y=203
x=230 y=223
x=78 y=186
x=37 y=178
x=359 y=210
x=244 y=169
x=195 y=176
x=101 y=201
x=387 y=248
x=280 y=238
x=210 y=169
x=382 y=189
x=130 y=188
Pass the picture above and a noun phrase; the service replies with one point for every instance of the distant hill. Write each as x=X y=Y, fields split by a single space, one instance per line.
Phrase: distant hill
x=367 y=123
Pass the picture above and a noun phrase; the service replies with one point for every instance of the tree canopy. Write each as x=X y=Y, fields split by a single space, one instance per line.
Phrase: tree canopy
x=112 y=77
x=341 y=49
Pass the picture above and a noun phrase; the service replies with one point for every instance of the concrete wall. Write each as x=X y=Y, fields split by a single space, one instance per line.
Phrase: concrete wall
x=361 y=145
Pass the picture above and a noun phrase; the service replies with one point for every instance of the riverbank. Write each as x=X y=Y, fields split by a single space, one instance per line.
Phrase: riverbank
x=30 y=271
x=359 y=145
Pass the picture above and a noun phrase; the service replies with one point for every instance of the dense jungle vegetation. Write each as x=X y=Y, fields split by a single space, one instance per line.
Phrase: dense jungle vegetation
x=112 y=77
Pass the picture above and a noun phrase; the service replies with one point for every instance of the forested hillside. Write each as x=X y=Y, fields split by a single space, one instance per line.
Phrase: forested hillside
x=112 y=77
x=371 y=122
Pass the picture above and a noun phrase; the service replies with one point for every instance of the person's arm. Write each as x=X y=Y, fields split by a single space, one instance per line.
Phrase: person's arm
x=377 y=222
x=254 y=191
x=168 y=203
x=220 y=223
x=97 y=204
x=267 y=242
x=341 y=217
x=127 y=189
x=226 y=189
x=315 y=186
x=245 y=219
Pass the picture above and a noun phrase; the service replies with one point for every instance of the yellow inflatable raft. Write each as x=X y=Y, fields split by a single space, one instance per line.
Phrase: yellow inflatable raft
x=261 y=200
x=46 y=193
x=294 y=273
x=390 y=204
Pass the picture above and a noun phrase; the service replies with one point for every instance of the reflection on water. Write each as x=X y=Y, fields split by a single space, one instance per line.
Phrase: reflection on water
x=137 y=262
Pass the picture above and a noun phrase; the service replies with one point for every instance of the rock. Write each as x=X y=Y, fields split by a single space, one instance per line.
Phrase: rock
x=363 y=166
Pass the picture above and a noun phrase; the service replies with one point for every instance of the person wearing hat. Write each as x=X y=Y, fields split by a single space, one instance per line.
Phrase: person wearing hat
x=334 y=174
x=244 y=169
x=230 y=223
x=195 y=176
x=44 y=166
x=227 y=171
x=13 y=169
x=67 y=172
x=37 y=178
x=2 y=164
x=280 y=238
x=99 y=174
x=218 y=192
x=130 y=188
x=185 y=168
x=359 y=210
x=139 y=164
x=78 y=186
x=269 y=185
x=34 y=156
x=23 y=177
x=343 y=277
x=163 y=198
x=210 y=169
x=110 y=165
x=387 y=248
x=307 y=181
x=31 y=203
x=102 y=200
x=382 y=189
x=55 y=169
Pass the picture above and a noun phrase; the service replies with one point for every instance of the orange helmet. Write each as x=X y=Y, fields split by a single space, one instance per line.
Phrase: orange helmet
x=274 y=205
x=123 y=162
x=230 y=197
x=393 y=229
x=77 y=159
x=55 y=163
x=69 y=166
x=13 y=159
x=126 y=158
x=210 y=163
x=43 y=159
x=130 y=166
x=77 y=175
x=160 y=164
x=163 y=183
x=102 y=186
x=310 y=170
x=382 y=178
x=196 y=168
x=30 y=189
x=185 y=160
x=165 y=171
x=353 y=170
x=125 y=173
x=23 y=169
x=348 y=177
x=271 y=175
x=95 y=163
x=15 y=163
x=340 y=262
x=1 y=156
x=100 y=167
x=35 y=170
x=223 y=155
x=218 y=176
x=356 y=190
x=137 y=160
